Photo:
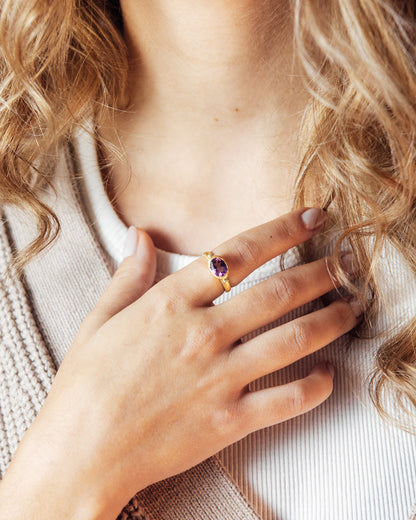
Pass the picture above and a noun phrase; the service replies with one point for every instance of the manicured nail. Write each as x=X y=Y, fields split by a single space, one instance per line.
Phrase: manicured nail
x=312 y=218
x=330 y=368
x=130 y=242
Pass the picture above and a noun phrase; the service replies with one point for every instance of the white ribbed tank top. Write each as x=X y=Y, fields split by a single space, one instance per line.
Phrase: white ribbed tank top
x=339 y=461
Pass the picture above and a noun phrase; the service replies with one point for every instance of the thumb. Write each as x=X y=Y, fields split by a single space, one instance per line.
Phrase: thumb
x=136 y=273
x=134 y=276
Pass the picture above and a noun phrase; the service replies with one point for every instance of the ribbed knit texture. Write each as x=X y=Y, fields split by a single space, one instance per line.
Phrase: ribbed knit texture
x=337 y=461
x=26 y=370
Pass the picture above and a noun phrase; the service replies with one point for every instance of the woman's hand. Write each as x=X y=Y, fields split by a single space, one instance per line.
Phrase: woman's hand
x=155 y=382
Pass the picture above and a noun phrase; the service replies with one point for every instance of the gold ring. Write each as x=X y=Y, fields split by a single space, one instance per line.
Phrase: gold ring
x=218 y=267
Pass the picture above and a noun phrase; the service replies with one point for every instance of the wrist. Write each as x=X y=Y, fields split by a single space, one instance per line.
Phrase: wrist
x=39 y=486
x=47 y=480
x=45 y=499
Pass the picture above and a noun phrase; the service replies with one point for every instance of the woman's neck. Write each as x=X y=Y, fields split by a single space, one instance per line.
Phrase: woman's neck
x=215 y=105
x=205 y=58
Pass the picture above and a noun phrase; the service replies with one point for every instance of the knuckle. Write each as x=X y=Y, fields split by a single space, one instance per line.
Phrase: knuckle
x=143 y=282
x=164 y=301
x=302 y=338
x=298 y=399
x=285 y=228
x=227 y=420
x=284 y=288
x=202 y=338
x=246 y=250
x=204 y=335
x=128 y=274
x=210 y=331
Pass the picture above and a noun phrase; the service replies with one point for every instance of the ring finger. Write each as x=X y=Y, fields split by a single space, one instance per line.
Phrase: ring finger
x=283 y=345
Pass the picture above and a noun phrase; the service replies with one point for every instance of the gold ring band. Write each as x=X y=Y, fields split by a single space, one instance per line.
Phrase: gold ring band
x=218 y=268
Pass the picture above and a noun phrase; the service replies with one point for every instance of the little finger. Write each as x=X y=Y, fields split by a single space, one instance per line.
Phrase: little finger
x=271 y=406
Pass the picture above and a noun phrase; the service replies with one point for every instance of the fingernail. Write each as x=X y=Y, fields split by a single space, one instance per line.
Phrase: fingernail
x=357 y=307
x=347 y=263
x=130 y=242
x=331 y=369
x=312 y=218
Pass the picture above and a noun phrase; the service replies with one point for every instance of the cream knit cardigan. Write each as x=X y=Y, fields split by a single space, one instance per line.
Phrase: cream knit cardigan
x=42 y=314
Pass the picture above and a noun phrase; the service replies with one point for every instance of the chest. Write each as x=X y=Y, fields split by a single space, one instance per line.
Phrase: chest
x=184 y=212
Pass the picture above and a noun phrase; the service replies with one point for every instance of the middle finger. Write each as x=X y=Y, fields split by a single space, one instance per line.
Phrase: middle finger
x=273 y=298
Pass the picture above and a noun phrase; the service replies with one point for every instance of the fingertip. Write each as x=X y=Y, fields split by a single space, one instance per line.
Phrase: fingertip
x=146 y=238
x=326 y=373
x=146 y=251
x=139 y=258
x=331 y=369
x=324 y=366
x=139 y=244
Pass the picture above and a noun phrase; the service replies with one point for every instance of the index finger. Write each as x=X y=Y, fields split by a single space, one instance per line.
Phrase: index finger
x=247 y=251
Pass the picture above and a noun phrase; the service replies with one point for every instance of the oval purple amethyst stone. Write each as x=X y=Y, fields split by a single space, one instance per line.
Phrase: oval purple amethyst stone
x=218 y=267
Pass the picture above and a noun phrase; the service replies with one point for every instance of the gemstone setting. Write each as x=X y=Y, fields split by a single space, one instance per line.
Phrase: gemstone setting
x=218 y=267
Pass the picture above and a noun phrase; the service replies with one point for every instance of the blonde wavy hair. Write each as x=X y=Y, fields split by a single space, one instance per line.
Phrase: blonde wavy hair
x=64 y=61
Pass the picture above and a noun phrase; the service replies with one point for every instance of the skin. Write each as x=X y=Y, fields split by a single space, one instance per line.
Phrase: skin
x=101 y=428
x=214 y=111
x=110 y=435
